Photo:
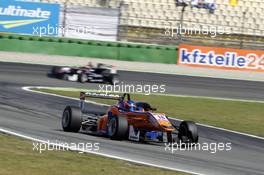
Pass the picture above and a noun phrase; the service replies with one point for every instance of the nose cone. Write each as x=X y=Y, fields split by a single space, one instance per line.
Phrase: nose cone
x=163 y=122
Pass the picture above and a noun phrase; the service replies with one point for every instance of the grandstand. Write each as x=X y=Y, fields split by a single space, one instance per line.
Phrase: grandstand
x=148 y=18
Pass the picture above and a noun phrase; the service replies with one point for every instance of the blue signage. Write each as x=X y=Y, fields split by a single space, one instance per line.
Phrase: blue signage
x=27 y=17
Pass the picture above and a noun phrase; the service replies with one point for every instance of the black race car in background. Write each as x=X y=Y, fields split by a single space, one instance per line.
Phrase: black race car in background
x=100 y=73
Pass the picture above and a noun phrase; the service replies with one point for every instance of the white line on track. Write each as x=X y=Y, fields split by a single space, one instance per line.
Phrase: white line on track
x=161 y=94
x=29 y=88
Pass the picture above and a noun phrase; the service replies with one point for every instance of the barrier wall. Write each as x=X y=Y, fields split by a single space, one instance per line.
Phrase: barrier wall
x=83 y=48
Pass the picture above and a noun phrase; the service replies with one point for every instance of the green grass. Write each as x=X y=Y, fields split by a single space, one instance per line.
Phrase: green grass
x=17 y=157
x=240 y=116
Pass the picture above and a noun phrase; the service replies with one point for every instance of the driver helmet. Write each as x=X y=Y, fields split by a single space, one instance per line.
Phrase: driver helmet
x=89 y=65
x=130 y=105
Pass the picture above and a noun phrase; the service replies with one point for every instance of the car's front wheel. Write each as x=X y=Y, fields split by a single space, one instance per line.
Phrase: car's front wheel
x=118 y=128
x=188 y=132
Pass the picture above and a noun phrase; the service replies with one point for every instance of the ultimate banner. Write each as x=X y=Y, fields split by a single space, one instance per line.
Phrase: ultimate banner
x=26 y=17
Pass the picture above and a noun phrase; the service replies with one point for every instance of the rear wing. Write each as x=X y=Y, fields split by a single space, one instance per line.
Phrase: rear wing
x=83 y=96
x=101 y=65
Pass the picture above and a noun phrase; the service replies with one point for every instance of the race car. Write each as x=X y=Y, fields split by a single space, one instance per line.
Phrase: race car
x=89 y=73
x=127 y=120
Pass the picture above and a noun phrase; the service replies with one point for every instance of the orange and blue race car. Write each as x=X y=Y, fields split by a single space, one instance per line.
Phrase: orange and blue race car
x=127 y=120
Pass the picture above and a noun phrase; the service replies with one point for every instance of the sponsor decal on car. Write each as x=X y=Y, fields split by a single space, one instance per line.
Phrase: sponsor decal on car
x=221 y=58
x=160 y=117
x=133 y=133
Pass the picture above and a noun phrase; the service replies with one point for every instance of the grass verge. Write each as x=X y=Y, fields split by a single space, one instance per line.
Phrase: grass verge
x=247 y=117
x=17 y=157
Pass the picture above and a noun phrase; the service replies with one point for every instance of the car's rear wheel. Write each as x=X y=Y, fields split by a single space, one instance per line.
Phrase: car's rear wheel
x=188 y=132
x=71 y=119
x=83 y=78
x=118 y=128
x=55 y=69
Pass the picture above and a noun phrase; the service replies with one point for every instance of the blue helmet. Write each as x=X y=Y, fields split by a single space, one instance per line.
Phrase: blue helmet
x=131 y=105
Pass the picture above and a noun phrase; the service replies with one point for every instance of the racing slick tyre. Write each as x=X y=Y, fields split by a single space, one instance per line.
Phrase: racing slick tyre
x=113 y=79
x=71 y=119
x=65 y=77
x=118 y=128
x=55 y=70
x=188 y=132
x=82 y=78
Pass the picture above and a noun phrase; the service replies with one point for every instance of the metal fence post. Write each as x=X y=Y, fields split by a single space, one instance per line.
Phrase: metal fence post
x=64 y=18
x=243 y=28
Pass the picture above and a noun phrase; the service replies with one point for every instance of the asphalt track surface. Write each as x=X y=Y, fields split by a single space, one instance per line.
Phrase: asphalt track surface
x=39 y=116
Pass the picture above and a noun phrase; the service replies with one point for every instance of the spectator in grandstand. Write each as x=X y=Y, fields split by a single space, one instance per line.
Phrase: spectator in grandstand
x=194 y=3
x=207 y=4
x=182 y=2
x=210 y=4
